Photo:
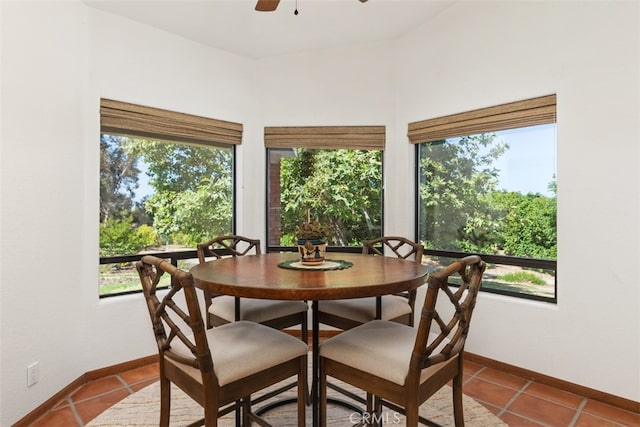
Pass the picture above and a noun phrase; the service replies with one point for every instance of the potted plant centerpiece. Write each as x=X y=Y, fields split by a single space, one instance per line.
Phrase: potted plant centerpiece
x=312 y=241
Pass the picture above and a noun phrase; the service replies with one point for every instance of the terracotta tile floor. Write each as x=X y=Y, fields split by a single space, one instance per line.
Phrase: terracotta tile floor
x=515 y=400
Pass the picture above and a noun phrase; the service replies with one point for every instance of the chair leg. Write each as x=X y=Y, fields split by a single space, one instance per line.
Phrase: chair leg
x=323 y=395
x=412 y=414
x=303 y=393
x=165 y=402
x=458 y=410
x=210 y=413
x=239 y=413
x=370 y=407
x=374 y=410
x=246 y=411
x=304 y=332
x=304 y=328
x=207 y=303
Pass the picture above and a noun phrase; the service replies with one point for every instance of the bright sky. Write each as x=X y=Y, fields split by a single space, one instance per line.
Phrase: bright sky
x=530 y=164
x=144 y=189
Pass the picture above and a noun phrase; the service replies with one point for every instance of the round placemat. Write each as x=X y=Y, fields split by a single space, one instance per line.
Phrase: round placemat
x=328 y=264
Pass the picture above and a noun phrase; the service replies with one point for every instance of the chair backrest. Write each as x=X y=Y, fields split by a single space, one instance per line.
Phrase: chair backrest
x=400 y=246
x=172 y=326
x=233 y=245
x=466 y=273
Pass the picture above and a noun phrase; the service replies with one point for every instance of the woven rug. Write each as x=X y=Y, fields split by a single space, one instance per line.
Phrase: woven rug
x=143 y=409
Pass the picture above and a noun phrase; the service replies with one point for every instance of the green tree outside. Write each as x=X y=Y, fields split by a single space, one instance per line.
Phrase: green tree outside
x=340 y=187
x=120 y=236
x=462 y=209
x=192 y=198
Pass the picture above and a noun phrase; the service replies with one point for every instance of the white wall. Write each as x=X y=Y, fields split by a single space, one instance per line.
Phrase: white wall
x=58 y=59
x=44 y=246
x=478 y=54
x=346 y=86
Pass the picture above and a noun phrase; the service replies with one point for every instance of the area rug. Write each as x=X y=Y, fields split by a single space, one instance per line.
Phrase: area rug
x=143 y=409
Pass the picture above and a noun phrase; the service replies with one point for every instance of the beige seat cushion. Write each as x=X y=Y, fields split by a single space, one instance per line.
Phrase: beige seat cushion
x=364 y=309
x=380 y=347
x=255 y=310
x=242 y=348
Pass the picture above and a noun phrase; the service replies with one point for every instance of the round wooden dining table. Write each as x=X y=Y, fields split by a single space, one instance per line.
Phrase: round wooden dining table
x=278 y=276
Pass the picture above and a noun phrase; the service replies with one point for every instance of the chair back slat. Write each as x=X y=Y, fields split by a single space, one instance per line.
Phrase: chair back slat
x=400 y=246
x=232 y=244
x=452 y=333
x=169 y=319
x=403 y=248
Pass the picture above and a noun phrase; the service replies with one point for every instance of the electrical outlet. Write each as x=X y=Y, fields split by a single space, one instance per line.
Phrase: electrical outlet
x=33 y=373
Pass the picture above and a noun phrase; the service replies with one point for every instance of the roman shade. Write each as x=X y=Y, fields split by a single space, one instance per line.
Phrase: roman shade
x=530 y=112
x=329 y=137
x=118 y=117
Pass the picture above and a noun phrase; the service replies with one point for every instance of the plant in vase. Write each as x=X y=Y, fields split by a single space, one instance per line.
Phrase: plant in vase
x=312 y=241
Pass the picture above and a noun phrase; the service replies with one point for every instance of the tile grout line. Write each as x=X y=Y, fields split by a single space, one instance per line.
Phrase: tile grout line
x=126 y=385
x=514 y=397
x=574 y=420
x=523 y=391
x=475 y=374
x=74 y=411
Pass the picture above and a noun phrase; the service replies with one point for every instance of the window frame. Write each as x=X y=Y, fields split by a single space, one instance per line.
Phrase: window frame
x=321 y=137
x=515 y=115
x=131 y=120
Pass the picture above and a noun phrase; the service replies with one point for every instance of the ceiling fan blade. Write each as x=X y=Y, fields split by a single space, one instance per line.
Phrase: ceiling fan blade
x=267 y=5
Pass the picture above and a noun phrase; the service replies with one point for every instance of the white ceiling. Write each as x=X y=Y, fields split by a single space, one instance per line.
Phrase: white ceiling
x=234 y=25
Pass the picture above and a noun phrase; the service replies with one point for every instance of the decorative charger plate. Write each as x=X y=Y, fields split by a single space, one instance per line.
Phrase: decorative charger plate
x=328 y=264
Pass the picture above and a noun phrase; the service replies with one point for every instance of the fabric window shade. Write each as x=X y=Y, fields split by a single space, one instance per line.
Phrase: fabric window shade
x=118 y=117
x=530 y=112
x=328 y=137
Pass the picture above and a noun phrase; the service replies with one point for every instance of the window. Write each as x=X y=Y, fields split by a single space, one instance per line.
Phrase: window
x=487 y=185
x=166 y=184
x=332 y=174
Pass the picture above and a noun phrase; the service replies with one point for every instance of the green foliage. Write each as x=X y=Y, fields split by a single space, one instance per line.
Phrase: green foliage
x=340 y=187
x=463 y=210
x=120 y=236
x=522 y=277
x=528 y=228
x=455 y=186
x=312 y=230
x=192 y=216
x=193 y=198
x=147 y=235
x=180 y=167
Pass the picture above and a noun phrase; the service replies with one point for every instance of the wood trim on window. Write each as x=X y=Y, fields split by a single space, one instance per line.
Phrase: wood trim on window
x=329 y=137
x=123 y=118
x=530 y=112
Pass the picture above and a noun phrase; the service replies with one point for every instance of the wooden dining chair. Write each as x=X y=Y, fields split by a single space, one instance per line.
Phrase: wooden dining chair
x=403 y=366
x=223 y=309
x=348 y=313
x=220 y=367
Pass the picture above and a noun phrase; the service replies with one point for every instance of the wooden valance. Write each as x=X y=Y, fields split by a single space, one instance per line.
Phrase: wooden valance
x=123 y=118
x=330 y=137
x=530 y=112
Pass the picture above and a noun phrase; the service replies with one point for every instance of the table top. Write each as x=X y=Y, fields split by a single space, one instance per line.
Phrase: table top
x=260 y=276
